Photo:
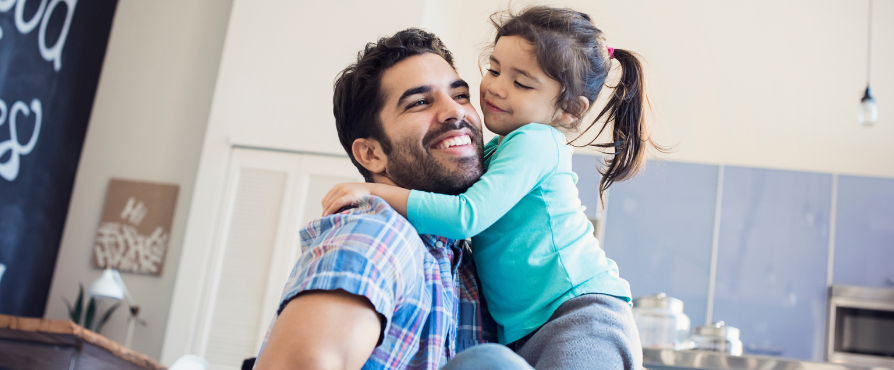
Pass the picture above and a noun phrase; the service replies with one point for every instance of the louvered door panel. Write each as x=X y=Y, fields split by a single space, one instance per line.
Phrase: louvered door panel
x=246 y=260
x=270 y=196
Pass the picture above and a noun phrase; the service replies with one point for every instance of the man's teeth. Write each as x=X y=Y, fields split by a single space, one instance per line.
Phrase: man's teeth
x=454 y=141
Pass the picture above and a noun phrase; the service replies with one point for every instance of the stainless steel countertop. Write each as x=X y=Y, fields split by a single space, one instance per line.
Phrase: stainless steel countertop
x=673 y=359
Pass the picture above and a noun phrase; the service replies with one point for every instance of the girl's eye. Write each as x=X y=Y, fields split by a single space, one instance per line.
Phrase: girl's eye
x=493 y=72
x=523 y=87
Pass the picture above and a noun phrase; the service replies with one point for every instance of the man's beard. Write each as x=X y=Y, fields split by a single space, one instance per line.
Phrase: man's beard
x=412 y=168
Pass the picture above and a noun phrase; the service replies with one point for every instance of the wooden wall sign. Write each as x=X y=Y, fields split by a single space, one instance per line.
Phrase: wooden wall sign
x=135 y=229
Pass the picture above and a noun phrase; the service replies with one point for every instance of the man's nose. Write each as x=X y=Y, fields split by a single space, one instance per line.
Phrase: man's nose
x=449 y=110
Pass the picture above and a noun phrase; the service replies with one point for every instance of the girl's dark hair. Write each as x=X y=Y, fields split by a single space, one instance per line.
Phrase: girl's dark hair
x=571 y=50
x=358 y=96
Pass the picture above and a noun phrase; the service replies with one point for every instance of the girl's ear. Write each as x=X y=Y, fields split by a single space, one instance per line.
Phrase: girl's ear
x=567 y=118
x=368 y=152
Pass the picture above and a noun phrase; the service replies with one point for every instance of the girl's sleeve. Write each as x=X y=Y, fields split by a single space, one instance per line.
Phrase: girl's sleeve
x=526 y=157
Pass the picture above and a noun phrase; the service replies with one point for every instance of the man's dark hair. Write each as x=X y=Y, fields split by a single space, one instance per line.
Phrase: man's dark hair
x=358 y=98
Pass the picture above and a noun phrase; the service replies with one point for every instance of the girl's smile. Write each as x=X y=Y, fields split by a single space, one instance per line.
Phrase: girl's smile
x=492 y=106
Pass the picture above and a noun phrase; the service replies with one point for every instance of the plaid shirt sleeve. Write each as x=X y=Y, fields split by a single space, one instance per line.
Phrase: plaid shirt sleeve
x=356 y=251
x=474 y=325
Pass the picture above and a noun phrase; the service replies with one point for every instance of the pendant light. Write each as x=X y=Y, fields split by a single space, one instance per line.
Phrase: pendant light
x=868 y=114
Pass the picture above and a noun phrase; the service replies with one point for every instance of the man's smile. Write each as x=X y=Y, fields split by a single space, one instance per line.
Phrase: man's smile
x=454 y=141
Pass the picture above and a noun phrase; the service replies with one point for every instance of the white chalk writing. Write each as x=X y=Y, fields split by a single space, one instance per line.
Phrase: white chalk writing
x=50 y=53
x=9 y=170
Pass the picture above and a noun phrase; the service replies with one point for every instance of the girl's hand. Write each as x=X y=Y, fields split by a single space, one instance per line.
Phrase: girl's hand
x=343 y=195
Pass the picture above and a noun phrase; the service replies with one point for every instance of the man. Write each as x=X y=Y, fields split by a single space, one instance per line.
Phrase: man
x=368 y=291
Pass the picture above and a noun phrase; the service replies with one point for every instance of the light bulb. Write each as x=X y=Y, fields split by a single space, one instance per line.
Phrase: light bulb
x=868 y=114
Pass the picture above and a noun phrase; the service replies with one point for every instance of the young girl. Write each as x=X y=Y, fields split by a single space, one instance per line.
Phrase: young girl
x=558 y=299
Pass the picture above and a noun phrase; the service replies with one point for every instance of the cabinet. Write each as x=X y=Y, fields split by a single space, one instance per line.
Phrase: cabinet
x=773 y=244
x=772 y=260
x=659 y=229
x=864 y=233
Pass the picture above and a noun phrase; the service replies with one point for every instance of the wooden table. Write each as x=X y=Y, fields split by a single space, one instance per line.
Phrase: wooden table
x=29 y=343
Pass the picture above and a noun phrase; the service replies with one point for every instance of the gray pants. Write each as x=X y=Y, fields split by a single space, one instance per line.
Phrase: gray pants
x=593 y=331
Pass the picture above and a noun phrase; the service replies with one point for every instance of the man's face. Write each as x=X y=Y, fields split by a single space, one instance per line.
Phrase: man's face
x=435 y=132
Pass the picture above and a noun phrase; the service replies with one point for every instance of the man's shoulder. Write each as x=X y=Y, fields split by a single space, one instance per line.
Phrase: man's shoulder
x=370 y=219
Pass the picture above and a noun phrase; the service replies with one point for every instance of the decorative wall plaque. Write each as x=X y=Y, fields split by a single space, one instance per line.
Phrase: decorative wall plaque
x=135 y=229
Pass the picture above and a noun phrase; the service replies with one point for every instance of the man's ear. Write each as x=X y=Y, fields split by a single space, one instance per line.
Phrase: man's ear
x=368 y=152
x=566 y=118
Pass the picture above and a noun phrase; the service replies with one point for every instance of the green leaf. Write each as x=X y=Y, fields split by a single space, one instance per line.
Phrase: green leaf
x=70 y=308
x=91 y=311
x=106 y=316
x=79 y=305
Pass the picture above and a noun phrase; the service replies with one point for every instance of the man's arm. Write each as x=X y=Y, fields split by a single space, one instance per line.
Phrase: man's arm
x=322 y=329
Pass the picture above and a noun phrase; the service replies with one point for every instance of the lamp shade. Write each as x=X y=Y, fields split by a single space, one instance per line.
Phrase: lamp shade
x=107 y=286
x=868 y=114
x=189 y=362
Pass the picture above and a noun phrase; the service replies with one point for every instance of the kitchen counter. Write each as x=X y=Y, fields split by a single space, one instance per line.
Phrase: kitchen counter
x=666 y=359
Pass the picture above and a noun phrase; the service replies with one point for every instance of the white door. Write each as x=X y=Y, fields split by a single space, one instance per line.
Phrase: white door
x=270 y=196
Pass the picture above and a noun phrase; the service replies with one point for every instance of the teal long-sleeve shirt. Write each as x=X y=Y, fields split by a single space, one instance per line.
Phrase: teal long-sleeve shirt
x=532 y=244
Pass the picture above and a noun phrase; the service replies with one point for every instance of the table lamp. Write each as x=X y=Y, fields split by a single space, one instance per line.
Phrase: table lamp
x=110 y=286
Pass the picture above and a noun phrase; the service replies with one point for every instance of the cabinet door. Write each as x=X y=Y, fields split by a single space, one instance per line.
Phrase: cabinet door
x=270 y=196
x=659 y=229
x=864 y=232
x=772 y=260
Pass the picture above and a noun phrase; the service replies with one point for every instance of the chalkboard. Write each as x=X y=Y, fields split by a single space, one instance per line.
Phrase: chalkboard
x=51 y=54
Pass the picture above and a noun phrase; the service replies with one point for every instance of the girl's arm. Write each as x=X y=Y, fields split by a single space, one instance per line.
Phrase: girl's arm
x=522 y=161
x=343 y=195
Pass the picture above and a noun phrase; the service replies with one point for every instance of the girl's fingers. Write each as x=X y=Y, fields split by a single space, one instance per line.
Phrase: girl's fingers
x=329 y=208
x=342 y=195
x=330 y=194
x=338 y=204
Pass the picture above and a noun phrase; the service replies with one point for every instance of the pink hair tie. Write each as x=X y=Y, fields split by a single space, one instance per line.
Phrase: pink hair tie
x=611 y=53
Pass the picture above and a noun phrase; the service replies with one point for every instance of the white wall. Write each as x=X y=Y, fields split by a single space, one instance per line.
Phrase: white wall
x=148 y=123
x=764 y=83
x=759 y=83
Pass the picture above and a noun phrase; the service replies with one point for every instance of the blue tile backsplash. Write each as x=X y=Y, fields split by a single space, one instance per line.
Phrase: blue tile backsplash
x=773 y=250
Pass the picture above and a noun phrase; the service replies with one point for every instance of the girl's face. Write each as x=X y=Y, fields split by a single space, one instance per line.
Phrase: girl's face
x=515 y=91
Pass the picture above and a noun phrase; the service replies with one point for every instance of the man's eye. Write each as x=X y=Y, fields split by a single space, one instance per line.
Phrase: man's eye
x=417 y=103
x=462 y=96
x=493 y=72
x=523 y=87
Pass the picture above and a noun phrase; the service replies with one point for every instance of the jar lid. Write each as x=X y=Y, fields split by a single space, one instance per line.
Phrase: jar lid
x=659 y=300
x=719 y=330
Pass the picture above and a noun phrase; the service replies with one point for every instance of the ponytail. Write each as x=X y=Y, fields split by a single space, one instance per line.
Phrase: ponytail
x=626 y=108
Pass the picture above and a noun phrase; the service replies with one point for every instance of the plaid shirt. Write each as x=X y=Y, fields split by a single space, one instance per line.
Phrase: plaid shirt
x=410 y=279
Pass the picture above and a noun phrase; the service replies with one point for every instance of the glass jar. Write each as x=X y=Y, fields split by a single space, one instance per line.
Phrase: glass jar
x=660 y=321
x=716 y=337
